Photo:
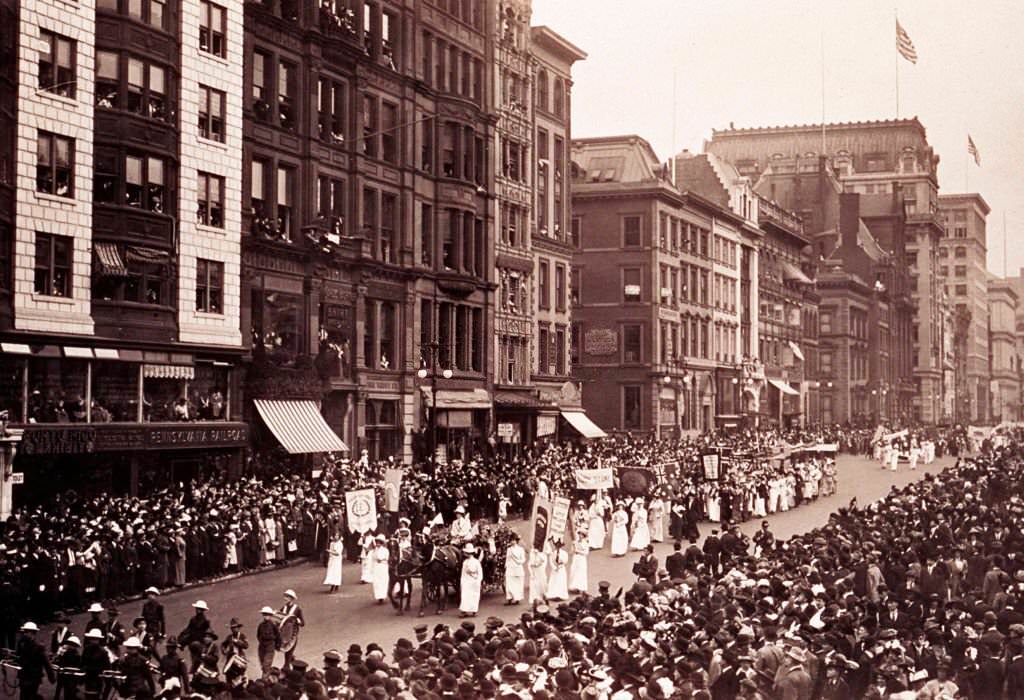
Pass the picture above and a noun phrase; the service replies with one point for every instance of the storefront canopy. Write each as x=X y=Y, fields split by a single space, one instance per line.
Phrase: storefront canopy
x=796 y=350
x=458 y=399
x=583 y=425
x=783 y=387
x=108 y=259
x=299 y=427
x=792 y=272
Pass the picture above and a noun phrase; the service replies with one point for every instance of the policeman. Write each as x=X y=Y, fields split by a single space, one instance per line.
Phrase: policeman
x=153 y=612
x=32 y=657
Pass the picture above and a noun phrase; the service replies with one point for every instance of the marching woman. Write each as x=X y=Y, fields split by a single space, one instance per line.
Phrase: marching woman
x=641 y=531
x=558 y=582
x=656 y=518
x=335 y=553
x=515 y=571
x=380 y=571
x=538 y=576
x=469 y=583
x=597 y=530
x=578 y=567
x=620 y=531
x=366 y=544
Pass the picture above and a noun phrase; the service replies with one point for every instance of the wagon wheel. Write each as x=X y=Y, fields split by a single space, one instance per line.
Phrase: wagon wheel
x=431 y=591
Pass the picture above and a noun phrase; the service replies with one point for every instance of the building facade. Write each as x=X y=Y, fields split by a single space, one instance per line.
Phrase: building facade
x=962 y=269
x=874 y=159
x=120 y=239
x=1004 y=360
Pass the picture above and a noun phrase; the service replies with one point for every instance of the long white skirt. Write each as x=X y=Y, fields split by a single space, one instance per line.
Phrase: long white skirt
x=578 y=573
x=380 y=580
x=514 y=585
x=620 y=540
x=597 y=533
x=366 y=571
x=333 y=576
x=538 y=584
x=469 y=598
x=558 y=584
x=641 y=536
x=658 y=528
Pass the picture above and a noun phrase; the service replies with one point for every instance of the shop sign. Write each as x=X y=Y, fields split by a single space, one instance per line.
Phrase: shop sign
x=505 y=430
x=601 y=341
x=40 y=440
x=546 y=425
x=58 y=441
x=207 y=436
x=18 y=478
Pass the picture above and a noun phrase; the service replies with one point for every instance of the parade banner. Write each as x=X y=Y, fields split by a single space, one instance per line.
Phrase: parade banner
x=593 y=479
x=635 y=481
x=539 y=519
x=392 y=489
x=361 y=510
x=559 y=517
x=712 y=463
x=893 y=436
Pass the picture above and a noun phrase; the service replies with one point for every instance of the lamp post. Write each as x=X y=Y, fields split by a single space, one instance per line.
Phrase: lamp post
x=673 y=365
x=422 y=373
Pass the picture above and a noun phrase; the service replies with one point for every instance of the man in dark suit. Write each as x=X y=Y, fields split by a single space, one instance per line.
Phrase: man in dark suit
x=153 y=613
x=675 y=562
x=713 y=553
x=646 y=567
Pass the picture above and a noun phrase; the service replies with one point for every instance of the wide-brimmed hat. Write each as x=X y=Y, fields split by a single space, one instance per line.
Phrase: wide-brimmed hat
x=291 y=594
x=30 y=627
x=266 y=610
x=200 y=605
x=469 y=548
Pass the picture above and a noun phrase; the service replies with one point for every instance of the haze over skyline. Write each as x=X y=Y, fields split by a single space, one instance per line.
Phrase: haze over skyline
x=750 y=64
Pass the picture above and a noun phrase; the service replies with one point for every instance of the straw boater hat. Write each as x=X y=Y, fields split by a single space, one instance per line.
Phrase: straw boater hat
x=469 y=548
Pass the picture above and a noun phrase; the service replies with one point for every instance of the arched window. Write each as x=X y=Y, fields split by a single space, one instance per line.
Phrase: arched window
x=559 y=98
x=542 y=89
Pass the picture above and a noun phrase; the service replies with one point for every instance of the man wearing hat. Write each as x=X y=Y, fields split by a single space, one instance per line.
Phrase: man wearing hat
x=197 y=628
x=153 y=613
x=113 y=629
x=171 y=664
x=68 y=665
x=234 y=645
x=268 y=639
x=60 y=633
x=792 y=681
x=94 y=622
x=138 y=680
x=34 y=663
x=95 y=660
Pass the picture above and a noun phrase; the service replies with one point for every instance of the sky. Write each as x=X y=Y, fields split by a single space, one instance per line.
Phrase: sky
x=753 y=63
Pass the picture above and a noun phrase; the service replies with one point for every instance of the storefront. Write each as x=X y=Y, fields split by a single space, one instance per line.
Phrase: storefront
x=463 y=421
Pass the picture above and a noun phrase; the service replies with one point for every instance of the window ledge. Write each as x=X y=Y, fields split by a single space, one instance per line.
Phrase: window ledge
x=213 y=143
x=47 y=197
x=211 y=56
x=66 y=101
x=66 y=301
x=208 y=315
x=205 y=228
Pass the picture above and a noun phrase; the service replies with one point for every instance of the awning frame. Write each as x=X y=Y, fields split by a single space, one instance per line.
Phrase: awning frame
x=582 y=424
x=796 y=351
x=299 y=426
x=784 y=387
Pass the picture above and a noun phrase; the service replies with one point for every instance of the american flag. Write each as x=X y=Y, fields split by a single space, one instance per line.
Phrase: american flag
x=973 y=150
x=904 y=45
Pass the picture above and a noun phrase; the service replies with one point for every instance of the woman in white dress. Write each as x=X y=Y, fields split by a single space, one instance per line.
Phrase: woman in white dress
x=270 y=535
x=620 y=532
x=515 y=571
x=894 y=457
x=578 y=568
x=558 y=579
x=366 y=545
x=597 y=532
x=380 y=570
x=714 y=506
x=641 y=531
x=538 y=576
x=656 y=517
x=469 y=583
x=335 y=554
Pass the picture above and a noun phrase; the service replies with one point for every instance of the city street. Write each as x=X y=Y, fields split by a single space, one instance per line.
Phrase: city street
x=350 y=616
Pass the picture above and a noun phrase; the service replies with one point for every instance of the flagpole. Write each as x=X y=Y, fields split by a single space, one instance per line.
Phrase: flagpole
x=1004 y=244
x=967 y=169
x=823 y=151
x=896 y=15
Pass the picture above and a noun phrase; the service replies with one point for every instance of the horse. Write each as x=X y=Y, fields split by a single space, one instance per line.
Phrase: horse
x=404 y=565
x=440 y=576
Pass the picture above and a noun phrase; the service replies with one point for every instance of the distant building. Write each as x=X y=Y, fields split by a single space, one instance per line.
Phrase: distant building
x=1004 y=360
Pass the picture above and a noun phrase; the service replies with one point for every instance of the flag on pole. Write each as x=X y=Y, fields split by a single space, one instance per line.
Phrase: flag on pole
x=904 y=45
x=973 y=150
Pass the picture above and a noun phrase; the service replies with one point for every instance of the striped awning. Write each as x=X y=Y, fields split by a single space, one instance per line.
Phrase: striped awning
x=784 y=387
x=169 y=372
x=108 y=260
x=299 y=427
x=583 y=425
x=797 y=352
x=792 y=272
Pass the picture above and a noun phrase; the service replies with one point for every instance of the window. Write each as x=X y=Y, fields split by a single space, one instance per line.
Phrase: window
x=944 y=270
x=285 y=202
x=144 y=183
x=147 y=278
x=943 y=252
x=260 y=86
x=56 y=64
x=106 y=176
x=147 y=90
x=575 y=230
x=53 y=265
x=427 y=144
x=631 y=231
x=960 y=270
x=632 y=343
x=331 y=202
x=277 y=325
x=960 y=252
x=212 y=28
x=543 y=290
x=543 y=346
x=631 y=408
x=380 y=332
x=825 y=362
x=388 y=251
x=560 y=287
x=331 y=114
x=209 y=286
x=258 y=188
x=959 y=232
x=389 y=132
x=631 y=289
x=371 y=125
x=426 y=234
x=55 y=164
x=560 y=368
x=961 y=290
x=542 y=89
x=210 y=200
x=211 y=113
x=108 y=79
x=558 y=98
x=286 y=90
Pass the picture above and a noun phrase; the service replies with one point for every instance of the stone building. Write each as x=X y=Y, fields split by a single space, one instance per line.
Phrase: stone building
x=1004 y=358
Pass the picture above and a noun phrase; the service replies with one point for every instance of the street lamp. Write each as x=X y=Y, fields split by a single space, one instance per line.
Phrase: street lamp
x=422 y=373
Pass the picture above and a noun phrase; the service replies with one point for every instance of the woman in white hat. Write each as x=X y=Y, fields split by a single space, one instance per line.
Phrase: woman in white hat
x=641 y=530
x=367 y=543
x=620 y=531
x=335 y=554
x=558 y=579
x=469 y=583
x=380 y=572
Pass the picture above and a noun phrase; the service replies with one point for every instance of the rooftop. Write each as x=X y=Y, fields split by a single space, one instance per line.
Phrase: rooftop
x=913 y=122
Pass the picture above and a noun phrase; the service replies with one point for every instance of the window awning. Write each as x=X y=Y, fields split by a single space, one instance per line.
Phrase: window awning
x=108 y=260
x=72 y=351
x=169 y=372
x=455 y=399
x=299 y=427
x=16 y=348
x=796 y=350
x=792 y=272
x=147 y=256
x=783 y=387
x=583 y=425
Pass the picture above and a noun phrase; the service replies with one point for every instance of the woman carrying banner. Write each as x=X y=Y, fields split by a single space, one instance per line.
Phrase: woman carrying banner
x=620 y=532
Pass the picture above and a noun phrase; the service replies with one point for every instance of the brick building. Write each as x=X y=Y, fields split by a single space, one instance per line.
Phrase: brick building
x=120 y=148
x=1004 y=361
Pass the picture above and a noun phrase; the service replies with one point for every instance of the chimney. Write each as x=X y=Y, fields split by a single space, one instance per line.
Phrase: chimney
x=849 y=218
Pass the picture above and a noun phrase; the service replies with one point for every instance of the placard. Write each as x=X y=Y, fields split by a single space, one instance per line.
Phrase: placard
x=559 y=517
x=539 y=519
x=361 y=510
x=392 y=489
x=711 y=462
